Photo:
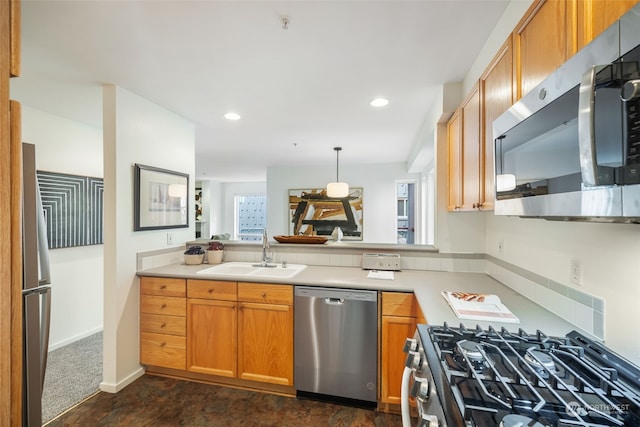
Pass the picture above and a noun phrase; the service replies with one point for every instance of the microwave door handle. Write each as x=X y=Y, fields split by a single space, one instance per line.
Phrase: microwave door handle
x=586 y=128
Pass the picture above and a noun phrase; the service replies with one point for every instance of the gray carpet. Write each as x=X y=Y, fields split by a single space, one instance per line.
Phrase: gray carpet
x=74 y=372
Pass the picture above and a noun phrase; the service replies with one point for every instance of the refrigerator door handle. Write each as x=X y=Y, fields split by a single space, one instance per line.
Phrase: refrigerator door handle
x=43 y=243
x=45 y=324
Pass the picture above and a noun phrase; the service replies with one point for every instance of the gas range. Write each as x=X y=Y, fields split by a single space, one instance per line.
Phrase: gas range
x=490 y=377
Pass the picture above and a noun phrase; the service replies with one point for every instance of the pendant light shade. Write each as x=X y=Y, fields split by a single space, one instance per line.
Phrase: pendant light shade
x=337 y=189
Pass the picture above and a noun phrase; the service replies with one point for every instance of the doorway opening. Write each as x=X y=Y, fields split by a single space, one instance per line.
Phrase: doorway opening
x=406 y=212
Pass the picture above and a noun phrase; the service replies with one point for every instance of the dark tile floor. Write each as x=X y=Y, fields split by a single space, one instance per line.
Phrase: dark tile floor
x=159 y=402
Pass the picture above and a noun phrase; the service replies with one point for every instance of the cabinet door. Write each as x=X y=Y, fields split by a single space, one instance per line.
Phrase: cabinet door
x=265 y=343
x=395 y=330
x=595 y=16
x=471 y=151
x=211 y=337
x=454 y=141
x=497 y=96
x=543 y=41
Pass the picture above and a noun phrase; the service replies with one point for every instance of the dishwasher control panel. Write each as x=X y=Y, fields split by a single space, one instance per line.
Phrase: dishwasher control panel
x=390 y=262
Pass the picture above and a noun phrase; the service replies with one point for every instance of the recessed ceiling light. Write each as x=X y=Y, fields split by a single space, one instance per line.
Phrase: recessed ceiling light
x=379 y=102
x=232 y=116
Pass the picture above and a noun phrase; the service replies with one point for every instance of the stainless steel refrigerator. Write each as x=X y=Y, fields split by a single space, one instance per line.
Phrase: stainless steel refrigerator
x=36 y=295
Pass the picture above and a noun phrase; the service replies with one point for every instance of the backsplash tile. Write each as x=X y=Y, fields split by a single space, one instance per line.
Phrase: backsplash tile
x=583 y=310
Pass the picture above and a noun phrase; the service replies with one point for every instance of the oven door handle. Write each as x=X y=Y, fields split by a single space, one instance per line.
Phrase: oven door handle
x=404 y=397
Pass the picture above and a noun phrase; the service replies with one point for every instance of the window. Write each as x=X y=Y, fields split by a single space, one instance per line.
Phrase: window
x=251 y=216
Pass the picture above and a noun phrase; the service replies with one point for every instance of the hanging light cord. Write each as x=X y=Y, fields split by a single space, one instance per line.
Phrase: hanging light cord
x=337 y=161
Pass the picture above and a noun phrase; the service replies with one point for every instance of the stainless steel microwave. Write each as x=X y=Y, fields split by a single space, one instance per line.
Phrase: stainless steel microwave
x=570 y=149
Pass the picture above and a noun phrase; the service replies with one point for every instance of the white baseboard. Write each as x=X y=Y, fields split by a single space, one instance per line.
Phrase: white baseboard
x=114 y=388
x=74 y=338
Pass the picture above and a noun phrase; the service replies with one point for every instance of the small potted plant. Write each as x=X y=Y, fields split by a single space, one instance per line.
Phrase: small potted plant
x=194 y=255
x=215 y=252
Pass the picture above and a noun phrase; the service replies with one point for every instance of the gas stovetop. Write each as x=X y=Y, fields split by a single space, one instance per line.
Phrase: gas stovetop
x=496 y=377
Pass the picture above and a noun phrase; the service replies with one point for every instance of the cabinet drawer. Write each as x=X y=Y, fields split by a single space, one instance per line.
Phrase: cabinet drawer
x=155 y=304
x=212 y=289
x=399 y=304
x=265 y=293
x=169 y=351
x=165 y=286
x=161 y=324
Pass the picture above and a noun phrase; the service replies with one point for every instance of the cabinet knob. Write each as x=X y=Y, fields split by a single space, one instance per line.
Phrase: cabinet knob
x=164 y=325
x=163 y=287
x=163 y=344
x=163 y=306
x=264 y=295
x=210 y=290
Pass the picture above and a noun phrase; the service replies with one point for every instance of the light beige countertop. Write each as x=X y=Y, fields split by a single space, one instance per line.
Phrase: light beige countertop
x=427 y=286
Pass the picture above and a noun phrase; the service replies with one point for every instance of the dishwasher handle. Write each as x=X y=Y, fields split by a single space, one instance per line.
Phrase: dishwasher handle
x=334 y=301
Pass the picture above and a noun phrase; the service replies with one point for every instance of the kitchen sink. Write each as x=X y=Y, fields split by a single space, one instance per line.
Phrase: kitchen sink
x=253 y=270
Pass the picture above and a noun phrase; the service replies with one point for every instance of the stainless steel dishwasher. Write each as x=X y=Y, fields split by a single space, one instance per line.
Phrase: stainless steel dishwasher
x=336 y=333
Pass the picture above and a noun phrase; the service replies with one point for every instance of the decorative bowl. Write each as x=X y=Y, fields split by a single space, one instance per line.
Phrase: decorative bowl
x=301 y=239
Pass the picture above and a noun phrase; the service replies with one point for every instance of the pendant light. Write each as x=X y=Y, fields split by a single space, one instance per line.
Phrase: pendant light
x=337 y=189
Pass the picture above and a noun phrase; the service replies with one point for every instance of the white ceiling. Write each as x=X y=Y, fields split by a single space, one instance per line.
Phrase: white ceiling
x=300 y=91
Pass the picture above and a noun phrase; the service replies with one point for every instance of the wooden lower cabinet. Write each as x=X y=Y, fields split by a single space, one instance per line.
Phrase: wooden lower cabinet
x=212 y=337
x=400 y=316
x=265 y=333
x=163 y=322
x=218 y=331
x=395 y=331
x=241 y=334
x=212 y=330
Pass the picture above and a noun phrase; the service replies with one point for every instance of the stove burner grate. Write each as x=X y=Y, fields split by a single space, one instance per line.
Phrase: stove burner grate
x=493 y=373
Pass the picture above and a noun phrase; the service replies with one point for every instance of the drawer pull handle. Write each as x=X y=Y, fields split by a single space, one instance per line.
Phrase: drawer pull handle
x=164 y=325
x=163 y=287
x=163 y=306
x=163 y=344
x=211 y=290
x=264 y=295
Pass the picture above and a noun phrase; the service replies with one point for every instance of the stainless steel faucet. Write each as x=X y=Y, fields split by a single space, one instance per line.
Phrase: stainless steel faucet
x=265 y=246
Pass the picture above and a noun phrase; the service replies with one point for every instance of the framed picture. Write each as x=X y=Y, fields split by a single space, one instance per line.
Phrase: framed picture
x=160 y=198
x=312 y=213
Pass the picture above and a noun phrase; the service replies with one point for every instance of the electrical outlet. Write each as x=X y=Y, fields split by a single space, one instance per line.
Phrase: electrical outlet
x=575 y=271
x=169 y=239
x=501 y=247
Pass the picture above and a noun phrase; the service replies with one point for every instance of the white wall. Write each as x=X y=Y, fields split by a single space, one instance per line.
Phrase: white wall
x=135 y=131
x=70 y=147
x=378 y=183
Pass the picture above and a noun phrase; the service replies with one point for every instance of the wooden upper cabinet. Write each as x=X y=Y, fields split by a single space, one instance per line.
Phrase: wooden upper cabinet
x=595 y=16
x=464 y=154
x=471 y=160
x=15 y=37
x=543 y=40
x=496 y=91
x=454 y=143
